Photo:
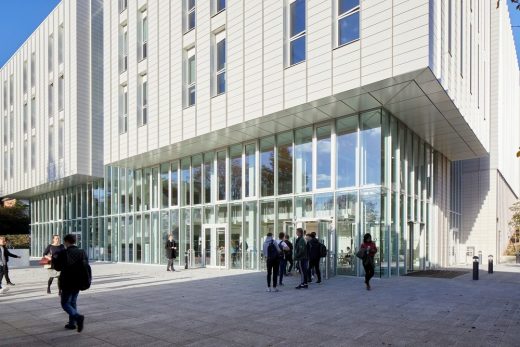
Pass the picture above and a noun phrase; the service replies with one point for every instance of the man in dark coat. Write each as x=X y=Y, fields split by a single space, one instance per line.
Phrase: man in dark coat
x=68 y=262
x=171 y=252
x=4 y=255
x=314 y=257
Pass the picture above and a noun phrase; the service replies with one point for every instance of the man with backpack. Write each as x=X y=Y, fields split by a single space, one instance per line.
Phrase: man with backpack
x=284 y=250
x=75 y=276
x=300 y=255
x=272 y=253
x=314 y=256
x=288 y=255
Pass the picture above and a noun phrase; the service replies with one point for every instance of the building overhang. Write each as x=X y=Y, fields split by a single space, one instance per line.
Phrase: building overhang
x=416 y=98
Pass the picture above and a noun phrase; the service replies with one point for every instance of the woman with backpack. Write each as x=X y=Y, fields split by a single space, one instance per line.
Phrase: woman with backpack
x=369 y=250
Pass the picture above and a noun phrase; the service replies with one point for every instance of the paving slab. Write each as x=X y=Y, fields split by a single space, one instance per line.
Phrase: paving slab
x=143 y=305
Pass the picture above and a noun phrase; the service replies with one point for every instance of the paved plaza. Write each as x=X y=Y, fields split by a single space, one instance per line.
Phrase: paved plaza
x=134 y=305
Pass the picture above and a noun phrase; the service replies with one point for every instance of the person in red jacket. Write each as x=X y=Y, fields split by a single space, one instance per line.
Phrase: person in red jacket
x=368 y=260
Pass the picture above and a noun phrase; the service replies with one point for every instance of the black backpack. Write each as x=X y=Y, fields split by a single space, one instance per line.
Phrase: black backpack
x=83 y=273
x=272 y=252
x=323 y=250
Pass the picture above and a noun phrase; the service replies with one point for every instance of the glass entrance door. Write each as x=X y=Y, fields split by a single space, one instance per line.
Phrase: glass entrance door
x=215 y=246
x=327 y=235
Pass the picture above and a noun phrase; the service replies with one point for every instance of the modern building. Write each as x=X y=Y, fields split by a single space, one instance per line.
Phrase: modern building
x=219 y=121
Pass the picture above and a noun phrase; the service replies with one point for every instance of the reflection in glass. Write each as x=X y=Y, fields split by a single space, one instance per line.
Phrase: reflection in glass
x=146 y=188
x=323 y=157
x=250 y=169
x=249 y=245
x=324 y=205
x=285 y=163
x=346 y=142
x=235 y=154
x=185 y=181
x=196 y=224
x=221 y=174
x=164 y=231
x=174 y=184
x=285 y=215
x=196 y=174
x=348 y=29
x=303 y=160
x=155 y=187
x=303 y=206
x=209 y=177
x=174 y=229
x=164 y=185
x=235 y=237
x=267 y=166
x=346 y=233
x=370 y=133
x=370 y=218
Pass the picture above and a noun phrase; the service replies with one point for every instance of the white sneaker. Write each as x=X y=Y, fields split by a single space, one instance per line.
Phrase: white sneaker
x=268 y=289
x=4 y=290
x=275 y=289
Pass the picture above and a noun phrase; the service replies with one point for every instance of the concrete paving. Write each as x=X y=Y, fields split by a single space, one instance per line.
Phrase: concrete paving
x=139 y=305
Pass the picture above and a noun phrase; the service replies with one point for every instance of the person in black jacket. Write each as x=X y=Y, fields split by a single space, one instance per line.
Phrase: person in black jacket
x=54 y=248
x=314 y=257
x=171 y=252
x=5 y=254
x=68 y=261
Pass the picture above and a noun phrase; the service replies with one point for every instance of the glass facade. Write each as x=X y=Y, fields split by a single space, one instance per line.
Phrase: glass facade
x=343 y=178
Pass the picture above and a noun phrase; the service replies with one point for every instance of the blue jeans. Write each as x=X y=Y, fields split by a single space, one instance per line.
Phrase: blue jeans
x=68 y=303
x=281 y=272
x=303 y=270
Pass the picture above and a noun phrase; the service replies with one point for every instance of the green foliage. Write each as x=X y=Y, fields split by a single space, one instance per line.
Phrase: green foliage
x=14 y=220
x=19 y=241
x=515 y=218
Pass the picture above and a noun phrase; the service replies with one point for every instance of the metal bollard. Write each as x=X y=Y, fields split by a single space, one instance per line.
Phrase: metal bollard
x=490 y=264
x=186 y=260
x=475 y=268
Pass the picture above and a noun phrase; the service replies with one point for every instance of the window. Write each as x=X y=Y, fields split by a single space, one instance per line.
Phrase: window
x=219 y=5
x=51 y=100
x=123 y=109
x=221 y=175
x=25 y=118
x=250 y=170
x=25 y=76
x=142 y=111
x=50 y=52
x=143 y=36
x=25 y=156
x=123 y=48
x=5 y=130
x=450 y=25
x=123 y=5
x=51 y=144
x=60 y=44
x=323 y=157
x=11 y=89
x=296 y=31
x=61 y=138
x=303 y=160
x=33 y=152
x=61 y=93
x=190 y=77
x=190 y=14
x=220 y=62
x=5 y=96
x=348 y=21
x=33 y=113
x=33 y=68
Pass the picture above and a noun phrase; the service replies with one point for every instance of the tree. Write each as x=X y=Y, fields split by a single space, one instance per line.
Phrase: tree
x=14 y=220
x=515 y=218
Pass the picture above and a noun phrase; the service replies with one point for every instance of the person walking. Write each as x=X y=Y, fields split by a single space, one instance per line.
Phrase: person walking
x=300 y=255
x=271 y=252
x=289 y=255
x=5 y=254
x=68 y=261
x=48 y=253
x=283 y=262
x=314 y=257
x=369 y=249
x=171 y=252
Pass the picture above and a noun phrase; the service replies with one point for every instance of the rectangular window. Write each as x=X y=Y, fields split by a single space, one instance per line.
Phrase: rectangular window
x=33 y=113
x=346 y=151
x=190 y=77
x=142 y=111
x=235 y=158
x=5 y=96
x=190 y=14
x=143 y=36
x=6 y=125
x=50 y=100
x=267 y=166
x=174 y=184
x=50 y=53
x=323 y=157
x=219 y=5
x=221 y=175
x=196 y=176
x=250 y=168
x=220 y=62
x=209 y=177
x=33 y=152
x=123 y=5
x=25 y=156
x=123 y=109
x=33 y=69
x=25 y=118
x=462 y=38
x=185 y=182
x=60 y=44
x=61 y=93
x=123 y=48
x=303 y=160
x=11 y=90
x=348 y=21
x=450 y=25
x=297 y=31
x=61 y=138
x=25 y=76
x=285 y=163
x=51 y=145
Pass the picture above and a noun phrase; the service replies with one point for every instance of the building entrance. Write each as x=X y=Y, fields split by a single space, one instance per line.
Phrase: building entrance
x=214 y=246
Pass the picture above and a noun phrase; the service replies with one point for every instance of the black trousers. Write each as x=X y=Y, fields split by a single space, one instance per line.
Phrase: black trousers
x=314 y=264
x=290 y=261
x=272 y=270
x=170 y=264
x=2 y=273
x=369 y=271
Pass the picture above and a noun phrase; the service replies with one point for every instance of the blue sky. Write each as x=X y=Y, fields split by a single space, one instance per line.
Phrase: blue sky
x=21 y=17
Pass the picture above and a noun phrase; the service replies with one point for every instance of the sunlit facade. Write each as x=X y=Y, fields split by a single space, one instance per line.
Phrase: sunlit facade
x=221 y=121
